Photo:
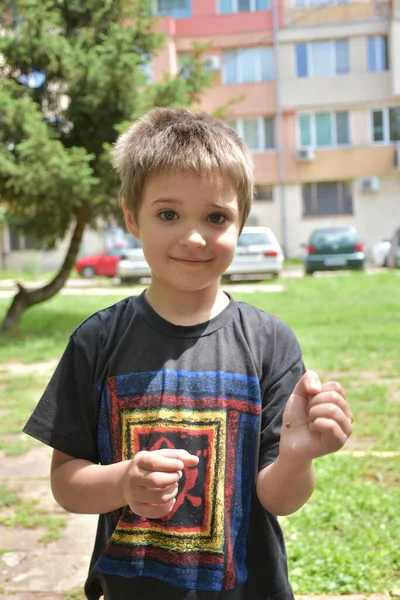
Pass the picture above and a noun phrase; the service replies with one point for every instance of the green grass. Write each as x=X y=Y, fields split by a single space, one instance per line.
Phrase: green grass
x=19 y=397
x=74 y=595
x=346 y=539
x=28 y=514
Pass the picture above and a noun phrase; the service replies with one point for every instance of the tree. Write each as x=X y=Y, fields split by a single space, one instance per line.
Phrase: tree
x=72 y=75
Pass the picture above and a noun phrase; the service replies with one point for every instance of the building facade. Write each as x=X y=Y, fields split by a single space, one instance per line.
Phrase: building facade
x=313 y=86
x=314 y=89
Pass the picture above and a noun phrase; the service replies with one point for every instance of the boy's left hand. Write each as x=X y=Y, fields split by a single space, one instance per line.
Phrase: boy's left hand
x=317 y=419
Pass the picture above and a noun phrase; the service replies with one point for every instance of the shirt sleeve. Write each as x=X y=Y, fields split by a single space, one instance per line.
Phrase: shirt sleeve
x=287 y=370
x=66 y=415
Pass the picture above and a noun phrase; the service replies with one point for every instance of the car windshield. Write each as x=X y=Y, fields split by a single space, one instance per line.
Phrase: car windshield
x=334 y=236
x=253 y=239
x=132 y=243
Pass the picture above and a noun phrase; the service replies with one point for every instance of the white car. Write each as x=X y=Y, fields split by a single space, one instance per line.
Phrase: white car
x=258 y=253
x=378 y=254
x=133 y=267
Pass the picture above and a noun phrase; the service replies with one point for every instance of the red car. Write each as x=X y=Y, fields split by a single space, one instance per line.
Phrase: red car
x=105 y=263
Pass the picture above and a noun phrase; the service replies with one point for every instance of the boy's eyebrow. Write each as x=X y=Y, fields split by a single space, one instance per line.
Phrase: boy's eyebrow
x=161 y=200
x=210 y=204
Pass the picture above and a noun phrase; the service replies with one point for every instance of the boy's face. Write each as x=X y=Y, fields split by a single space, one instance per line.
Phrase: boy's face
x=188 y=226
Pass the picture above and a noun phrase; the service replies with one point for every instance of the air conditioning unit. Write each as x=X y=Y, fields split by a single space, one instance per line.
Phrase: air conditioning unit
x=305 y=154
x=369 y=184
x=397 y=157
x=212 y=63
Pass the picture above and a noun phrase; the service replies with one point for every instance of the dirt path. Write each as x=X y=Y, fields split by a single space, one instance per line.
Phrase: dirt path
x=30 y=566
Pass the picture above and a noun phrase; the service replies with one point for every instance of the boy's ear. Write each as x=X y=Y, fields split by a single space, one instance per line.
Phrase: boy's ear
x=130 y=222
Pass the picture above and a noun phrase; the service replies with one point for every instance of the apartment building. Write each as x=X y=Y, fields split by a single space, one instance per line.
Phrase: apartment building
x=314 y=89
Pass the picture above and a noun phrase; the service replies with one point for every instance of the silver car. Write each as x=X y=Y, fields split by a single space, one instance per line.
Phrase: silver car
x=258 y=254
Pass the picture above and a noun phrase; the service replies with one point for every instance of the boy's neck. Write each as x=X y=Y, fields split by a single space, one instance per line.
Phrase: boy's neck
x=186 y=308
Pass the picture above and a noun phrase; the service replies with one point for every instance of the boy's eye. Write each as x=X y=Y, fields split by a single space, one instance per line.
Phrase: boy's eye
x=217 y=219
x=168 y=215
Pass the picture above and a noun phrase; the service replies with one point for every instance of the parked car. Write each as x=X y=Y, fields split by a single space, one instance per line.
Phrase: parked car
x=393 y=259
x=379 y=253
x=105 y=263
x=132 y=267
x=333 y=248
x=258 y=254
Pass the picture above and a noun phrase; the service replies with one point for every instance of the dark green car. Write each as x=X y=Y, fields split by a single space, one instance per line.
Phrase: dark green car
x=333 y=248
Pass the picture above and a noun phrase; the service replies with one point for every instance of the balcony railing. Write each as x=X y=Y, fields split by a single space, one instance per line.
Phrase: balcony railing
x=315 y=12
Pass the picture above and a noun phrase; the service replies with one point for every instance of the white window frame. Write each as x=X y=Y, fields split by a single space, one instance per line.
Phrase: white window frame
x=314 y=190
x=155 y=7
x=334 y=143
x=378 y=53
x=386 y=126
x=310 y=63
x=316 y=3
x=260 y=130
x=235 y=7
x=239 y=66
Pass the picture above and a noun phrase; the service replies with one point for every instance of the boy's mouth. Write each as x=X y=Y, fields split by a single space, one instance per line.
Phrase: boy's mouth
x=187 y=259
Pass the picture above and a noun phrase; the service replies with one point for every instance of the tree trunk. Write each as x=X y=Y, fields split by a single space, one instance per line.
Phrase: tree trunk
x=26 y=298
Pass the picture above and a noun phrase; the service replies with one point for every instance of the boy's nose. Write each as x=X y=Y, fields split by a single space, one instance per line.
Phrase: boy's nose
x=193 y=238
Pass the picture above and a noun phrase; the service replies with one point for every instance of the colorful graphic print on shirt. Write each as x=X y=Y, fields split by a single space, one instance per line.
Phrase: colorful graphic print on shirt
x=215 y=415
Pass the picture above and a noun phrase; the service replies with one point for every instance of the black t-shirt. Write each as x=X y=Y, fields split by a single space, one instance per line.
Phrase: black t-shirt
x=130 y=380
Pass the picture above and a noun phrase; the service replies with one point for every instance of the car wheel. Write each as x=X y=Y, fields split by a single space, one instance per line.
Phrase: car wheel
x=128 y=280
x=360 y=269
x=226 y=279
x=88 y=272
x=308 y=272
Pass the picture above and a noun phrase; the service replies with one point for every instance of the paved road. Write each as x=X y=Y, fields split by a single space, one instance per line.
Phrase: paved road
x=104 y=287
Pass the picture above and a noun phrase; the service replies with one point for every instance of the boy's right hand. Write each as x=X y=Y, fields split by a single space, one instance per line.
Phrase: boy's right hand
x=151 y=481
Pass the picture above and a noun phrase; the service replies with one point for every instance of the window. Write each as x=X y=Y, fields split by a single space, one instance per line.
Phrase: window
x=322 y=59
x=377 y=54
x=257 y=132
x=254 y=239
x=235 y=6
x=386 y=125
x=116 y=251
x=324 y=129
x=248 y=65
x=264 y=192
x=22 y=241
x=327 y=198
x=307 y=3
x=173 y=8
x=147 y=69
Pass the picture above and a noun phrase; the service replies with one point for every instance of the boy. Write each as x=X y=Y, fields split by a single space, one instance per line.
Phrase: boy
x=166 y=409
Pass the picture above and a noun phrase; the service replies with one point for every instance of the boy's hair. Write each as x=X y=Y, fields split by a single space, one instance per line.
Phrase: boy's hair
x=176 y=139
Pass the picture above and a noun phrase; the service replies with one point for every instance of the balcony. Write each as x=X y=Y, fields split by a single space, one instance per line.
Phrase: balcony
x=253 y=99
x=341 y=164
x=395 y=55
x=332 y=13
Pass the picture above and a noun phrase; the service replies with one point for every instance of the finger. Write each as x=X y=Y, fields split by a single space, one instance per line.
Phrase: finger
x=158 y=460
x=308 y=384
x=332 y=412
x=334 y=436
x=153 y=511
x=333 y=385
x=158 y=479
x=149 y=496
x=332 y=397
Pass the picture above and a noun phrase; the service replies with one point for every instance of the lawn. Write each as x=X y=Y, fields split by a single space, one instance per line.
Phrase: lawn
x=347 y=538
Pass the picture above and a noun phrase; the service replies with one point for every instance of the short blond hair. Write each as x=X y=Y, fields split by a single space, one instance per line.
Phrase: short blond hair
x=176 y=139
